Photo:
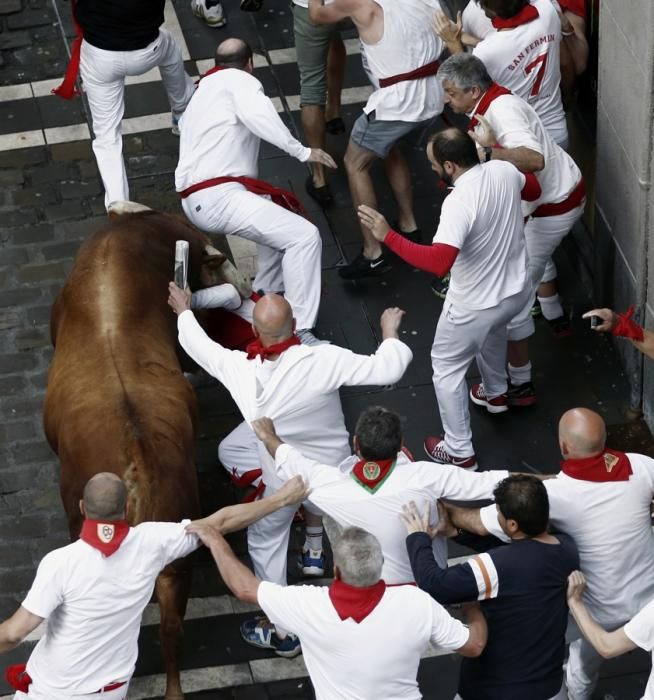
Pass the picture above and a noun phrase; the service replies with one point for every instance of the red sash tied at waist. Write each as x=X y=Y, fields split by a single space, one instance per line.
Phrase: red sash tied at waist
x=572 y=201
x=67 y=89
x=422 y=72
x=18 y=678
x=281 y=197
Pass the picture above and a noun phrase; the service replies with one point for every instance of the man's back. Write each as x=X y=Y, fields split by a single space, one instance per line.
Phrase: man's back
x=93 y=605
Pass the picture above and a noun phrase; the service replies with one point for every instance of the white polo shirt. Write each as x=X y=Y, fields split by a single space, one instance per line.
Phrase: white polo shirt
x=640 y=629
x=475 y=22
x=376 y=658
x=338 y=495
x=610 y=522
x=482 y=217
x=516 y=124
x=527 y=61
x=93 y=605
x=408 y=43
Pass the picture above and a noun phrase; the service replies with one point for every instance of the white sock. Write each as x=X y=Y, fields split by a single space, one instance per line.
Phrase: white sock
x=551 y=307
x=313 y=538
x=520 y=375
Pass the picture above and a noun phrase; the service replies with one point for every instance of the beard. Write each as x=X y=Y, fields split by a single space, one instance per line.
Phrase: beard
x=447 y=179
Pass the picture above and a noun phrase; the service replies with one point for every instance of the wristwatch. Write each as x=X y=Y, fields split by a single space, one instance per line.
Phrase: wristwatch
x=488 y=153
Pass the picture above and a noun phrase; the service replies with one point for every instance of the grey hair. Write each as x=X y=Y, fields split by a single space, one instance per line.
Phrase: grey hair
x=465 y=71
x=358 y=557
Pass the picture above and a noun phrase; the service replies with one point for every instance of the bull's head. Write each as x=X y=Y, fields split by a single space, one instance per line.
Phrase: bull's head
x=218 y=269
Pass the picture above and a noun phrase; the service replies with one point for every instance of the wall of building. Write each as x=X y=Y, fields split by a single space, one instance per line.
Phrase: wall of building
x=623 y=269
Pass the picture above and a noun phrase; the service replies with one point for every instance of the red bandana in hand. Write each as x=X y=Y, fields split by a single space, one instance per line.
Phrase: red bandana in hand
x=528 y=14
x=610 y=465
x=256 y=349
x=106 y=537
x=628 y=328
x=493 y=92
x=371 y=474
x=355 y=602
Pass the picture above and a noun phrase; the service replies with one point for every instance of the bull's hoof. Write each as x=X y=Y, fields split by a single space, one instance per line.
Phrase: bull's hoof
x=119 y=208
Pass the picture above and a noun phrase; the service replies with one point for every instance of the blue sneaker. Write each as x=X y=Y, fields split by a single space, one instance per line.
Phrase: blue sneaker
x=312 y=562
x=260 y=633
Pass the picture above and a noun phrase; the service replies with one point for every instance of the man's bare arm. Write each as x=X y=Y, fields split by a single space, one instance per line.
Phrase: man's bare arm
x=264 y=429
x=478 y=631
x=319 y=13
x=525 y=159
x=468 y=519
x=16 y=628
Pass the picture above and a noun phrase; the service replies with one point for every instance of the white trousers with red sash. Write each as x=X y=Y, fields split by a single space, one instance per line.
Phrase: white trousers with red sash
x=103 y=75
x=116 y=694
x=288 y=245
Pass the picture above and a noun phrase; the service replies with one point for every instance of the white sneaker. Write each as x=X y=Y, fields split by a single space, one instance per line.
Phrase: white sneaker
x=174 y=121
x=307 y=337
x=213 y=16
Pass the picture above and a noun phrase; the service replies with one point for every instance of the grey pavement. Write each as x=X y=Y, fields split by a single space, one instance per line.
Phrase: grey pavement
x=51 y=200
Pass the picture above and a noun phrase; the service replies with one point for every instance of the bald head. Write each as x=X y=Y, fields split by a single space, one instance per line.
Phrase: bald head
x=582 y=433
x=233 y=53
x=273 y=319
x=105 y=497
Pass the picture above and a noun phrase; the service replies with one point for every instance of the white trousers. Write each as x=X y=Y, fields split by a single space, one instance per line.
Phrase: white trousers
x=462 y=336
x=117 y=694
x=103 y=74
x=561 y=695
x=542 y=235
x=288 y=246
x=239 y=452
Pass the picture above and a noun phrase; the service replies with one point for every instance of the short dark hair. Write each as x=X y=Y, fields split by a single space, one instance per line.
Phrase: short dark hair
x=503 y=8
x=379 y=433
x=454 y=145
x=523 y=498
x=236 y=55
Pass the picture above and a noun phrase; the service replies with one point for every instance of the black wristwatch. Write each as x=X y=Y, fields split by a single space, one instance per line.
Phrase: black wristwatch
x=488 y=153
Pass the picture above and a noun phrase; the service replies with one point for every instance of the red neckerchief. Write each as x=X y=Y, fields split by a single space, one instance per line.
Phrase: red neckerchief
x=18 y=678
x=610 y=465
x=106 y=537
x=493 y=92
x=355 y=602
x=68 y=88
x=626 y=327
x=528 y=14
x=211 y=71
x=371 y=474
x=256 y=349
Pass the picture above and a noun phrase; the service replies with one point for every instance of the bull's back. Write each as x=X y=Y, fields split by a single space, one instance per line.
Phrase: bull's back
x=116 y=399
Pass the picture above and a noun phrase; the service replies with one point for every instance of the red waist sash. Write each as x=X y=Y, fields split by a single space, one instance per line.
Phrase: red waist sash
x=18 y=678
x=572 y=201
x=422 y=72
x=281 y=197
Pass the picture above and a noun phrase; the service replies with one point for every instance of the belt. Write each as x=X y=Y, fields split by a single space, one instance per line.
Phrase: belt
x=422 y=72
x=572 y=201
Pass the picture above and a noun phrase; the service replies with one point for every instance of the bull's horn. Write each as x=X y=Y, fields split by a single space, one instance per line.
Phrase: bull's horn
x=213 y=252
x=119 y=208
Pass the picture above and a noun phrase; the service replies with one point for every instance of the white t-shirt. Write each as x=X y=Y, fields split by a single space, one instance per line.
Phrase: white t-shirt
x=376 y=658
x=610 y=522
x=338 y=495
x=640 y=629
x=482 y=217
x=93 y=605
x=516 y=124
x=408 y=43
x=222 y=127
x=475 y=22
x=527 y=61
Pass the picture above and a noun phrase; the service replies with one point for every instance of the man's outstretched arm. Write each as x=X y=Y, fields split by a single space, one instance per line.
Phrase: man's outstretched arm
x=16 y=628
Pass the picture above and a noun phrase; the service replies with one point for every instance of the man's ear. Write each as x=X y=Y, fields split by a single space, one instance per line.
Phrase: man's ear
x=355 y=444
x=255 y=332
x=512 y=526
x=337 y=573
x=81 y=507
x=294 y=324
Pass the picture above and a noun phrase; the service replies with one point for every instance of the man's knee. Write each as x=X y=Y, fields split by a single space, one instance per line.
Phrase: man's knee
x=357 y=159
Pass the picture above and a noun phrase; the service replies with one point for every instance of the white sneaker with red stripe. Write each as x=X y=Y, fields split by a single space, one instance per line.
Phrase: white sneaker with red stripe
x=497 y=404
x=435 y=449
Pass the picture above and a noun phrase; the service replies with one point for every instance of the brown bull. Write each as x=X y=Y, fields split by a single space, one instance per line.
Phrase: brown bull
x=117 y=400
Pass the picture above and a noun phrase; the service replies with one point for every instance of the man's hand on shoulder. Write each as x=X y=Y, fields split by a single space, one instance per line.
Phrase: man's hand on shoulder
x=390 y=322
x=320 y=156
x=179 y=300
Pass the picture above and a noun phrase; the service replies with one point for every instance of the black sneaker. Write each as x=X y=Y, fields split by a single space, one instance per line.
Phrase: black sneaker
x=560 y=326
x=440 y=285
x=521 y=394
x=415 y=236
x=322 y=194
x=364 y=267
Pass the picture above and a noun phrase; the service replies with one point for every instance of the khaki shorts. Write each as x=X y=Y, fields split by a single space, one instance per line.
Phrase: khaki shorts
x=312 y=47
x=380 y=136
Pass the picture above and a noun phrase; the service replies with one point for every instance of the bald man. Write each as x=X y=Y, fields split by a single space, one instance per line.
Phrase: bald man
x=297 y=386
x=93 y=592
x=602 y=499
x=216 y=179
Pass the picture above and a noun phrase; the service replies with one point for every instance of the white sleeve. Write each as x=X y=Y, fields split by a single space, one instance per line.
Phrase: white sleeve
x=455 y=222
x=511 y=128
x=640 y=629
x=386 y=366
x=290 y=462
x=280 y=603
x=491 y=522
x=446 y=632
x=46 y=593
x=220 y=296
x=459 y=485
x=173 y=540
x=258 y=113
x=209 y=355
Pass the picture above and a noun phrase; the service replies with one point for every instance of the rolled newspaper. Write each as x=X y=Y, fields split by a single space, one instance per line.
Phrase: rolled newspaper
x=181 y=263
